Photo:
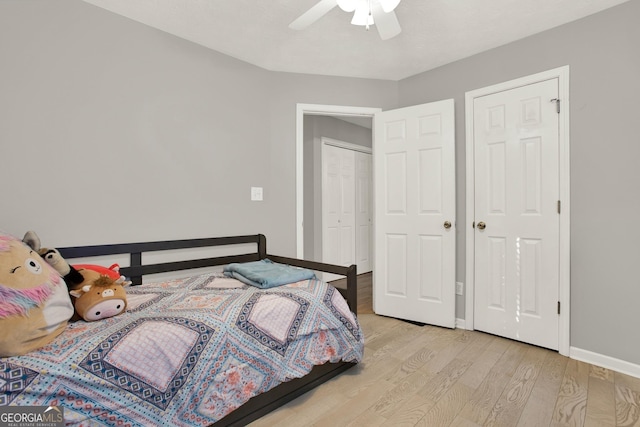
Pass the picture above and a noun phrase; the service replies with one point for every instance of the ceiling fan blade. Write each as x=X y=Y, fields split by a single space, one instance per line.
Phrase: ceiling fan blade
x=312 y=15
x=387 y=23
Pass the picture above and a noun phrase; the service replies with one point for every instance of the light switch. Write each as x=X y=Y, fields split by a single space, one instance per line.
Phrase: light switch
x=256 y=193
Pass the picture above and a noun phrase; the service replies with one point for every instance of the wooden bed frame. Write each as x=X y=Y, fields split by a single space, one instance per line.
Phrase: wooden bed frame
x=263 y=403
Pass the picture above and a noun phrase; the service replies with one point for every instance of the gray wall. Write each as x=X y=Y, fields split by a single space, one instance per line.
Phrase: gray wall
x=315 y=128
x=112 y=131
x=603 y=52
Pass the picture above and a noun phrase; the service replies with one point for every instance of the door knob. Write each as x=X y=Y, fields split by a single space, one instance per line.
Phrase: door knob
x=482 y=225
x=447 y=225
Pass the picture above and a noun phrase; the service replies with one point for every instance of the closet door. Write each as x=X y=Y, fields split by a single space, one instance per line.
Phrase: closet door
x=517 y=233
x=364 y=212
x=338 y=206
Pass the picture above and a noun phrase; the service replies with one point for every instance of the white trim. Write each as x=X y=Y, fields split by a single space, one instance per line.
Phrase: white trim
x=345 y=145
x=608 y=362
x=564 y=337
x=318 y=110
x=562 y=74
x=460 y=324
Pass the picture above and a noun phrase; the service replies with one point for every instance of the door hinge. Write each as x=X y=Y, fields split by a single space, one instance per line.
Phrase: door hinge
x=559 y=206
x=557 y=101
x=558 y=307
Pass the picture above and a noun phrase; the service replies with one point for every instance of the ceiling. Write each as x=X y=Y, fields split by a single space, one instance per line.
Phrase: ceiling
x=434 y=32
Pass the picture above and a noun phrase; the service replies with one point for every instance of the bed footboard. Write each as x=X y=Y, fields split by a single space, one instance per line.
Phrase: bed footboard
x=351 y=273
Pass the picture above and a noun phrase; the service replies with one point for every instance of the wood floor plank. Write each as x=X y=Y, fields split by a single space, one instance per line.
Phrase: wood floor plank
x=571 y=404
x=378 y=333
x=444 y=380
x=480 y=343
x=448 y=407
x=601 y=403
x=390 y=348
x=413 y=363
x=422 y=337
x=425 y=397
x=380 y=337
x=410 y=412
x=448 y=348
x=414 y=354
x=386 y=406
x=511 y=403
x=287 y=415
x=483 y=362
x=489 y=391
x=627 y=391
x=601 y=373
x=627 y=399
x=367 y=419
x=627 y=381
x=369 y=375
x=353 y=408
x=461 y=422
x=539 y=408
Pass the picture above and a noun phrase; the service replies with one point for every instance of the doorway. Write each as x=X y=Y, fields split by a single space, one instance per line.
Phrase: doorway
x=303 y=110
x=518 y=210
x=433 y=123
x=347 y=210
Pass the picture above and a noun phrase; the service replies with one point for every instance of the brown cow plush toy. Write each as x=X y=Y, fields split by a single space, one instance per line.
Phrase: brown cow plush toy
x=99 y=296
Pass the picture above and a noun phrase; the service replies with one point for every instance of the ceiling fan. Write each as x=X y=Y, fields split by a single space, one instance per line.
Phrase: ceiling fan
x=365 y=12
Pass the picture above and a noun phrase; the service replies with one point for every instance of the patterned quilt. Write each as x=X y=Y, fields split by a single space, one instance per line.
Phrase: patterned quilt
x=186 y=353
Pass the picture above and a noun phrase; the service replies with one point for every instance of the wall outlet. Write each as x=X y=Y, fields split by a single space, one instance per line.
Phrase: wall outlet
x=256 y=194
x=459 y=288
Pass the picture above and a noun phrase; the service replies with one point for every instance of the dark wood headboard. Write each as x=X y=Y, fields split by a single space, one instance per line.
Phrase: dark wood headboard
x=136 y=269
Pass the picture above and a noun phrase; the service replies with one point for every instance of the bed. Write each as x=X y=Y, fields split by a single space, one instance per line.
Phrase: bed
x=237 y=352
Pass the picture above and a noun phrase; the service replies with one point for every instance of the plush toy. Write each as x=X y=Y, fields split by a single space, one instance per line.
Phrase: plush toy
x=34 y=301
x=100 y=296
x=98 y=291
x=113 y=271
x=71 y=276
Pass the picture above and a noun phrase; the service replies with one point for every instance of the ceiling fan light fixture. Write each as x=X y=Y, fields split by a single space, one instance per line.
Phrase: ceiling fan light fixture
x=365 y=13
x=348 y=5
x=388 y=5
x=362 y=16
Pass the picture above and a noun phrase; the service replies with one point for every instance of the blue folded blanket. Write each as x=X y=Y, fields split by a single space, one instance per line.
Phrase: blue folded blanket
x=266 y=274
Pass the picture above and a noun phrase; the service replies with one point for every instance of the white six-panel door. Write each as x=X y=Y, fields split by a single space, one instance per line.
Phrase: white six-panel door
x=338 y=204
x=414 y=188
x=364 y=214
x=516 y=213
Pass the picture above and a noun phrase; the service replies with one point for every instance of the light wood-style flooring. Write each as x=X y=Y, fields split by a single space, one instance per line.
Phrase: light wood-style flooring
x=428 y=376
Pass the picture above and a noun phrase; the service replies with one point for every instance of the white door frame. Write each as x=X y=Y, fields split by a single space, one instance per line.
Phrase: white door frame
x=317 y=110
x=562 y=74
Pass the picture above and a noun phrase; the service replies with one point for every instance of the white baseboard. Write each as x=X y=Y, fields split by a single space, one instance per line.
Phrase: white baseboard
x=460 y=324
x=608 y=362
